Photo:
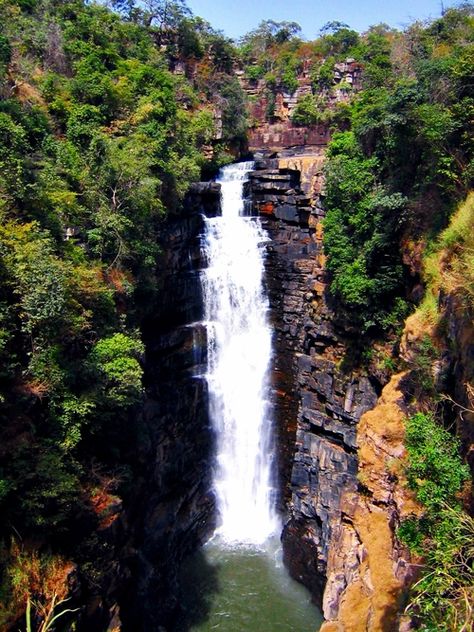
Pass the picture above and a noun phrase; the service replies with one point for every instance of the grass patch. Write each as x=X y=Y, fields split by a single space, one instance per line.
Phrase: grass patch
x=449 y=264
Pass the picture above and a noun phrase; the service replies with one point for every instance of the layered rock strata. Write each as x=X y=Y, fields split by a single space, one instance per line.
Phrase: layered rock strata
x=276 y=136
x=341 y=426
x=318 y=400
x=271 y=110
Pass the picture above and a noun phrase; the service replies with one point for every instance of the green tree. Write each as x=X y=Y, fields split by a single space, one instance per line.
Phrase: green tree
x=362 y=220
x=307 y=112
x=116 y=361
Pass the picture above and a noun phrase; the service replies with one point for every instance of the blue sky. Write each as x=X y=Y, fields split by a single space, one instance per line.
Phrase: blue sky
x=236 y=17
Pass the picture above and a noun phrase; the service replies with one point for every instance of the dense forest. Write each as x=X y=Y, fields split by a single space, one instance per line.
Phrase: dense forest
x=99 y=141
x=107 y=114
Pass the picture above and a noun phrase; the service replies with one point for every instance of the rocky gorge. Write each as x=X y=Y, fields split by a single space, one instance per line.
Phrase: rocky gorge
x=320 y=406
x=318 y=402
x=339 y=424
x=337 y=315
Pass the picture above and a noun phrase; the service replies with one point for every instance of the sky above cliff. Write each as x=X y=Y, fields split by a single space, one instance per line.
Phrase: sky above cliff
x=237 y=17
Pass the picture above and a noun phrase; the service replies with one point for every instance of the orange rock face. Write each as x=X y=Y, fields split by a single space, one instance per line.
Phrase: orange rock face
x=368 y=570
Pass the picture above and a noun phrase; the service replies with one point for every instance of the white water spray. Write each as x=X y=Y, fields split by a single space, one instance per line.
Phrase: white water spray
x=239 y=351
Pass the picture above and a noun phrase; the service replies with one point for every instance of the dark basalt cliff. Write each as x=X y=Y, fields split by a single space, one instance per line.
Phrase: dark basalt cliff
x=341 y=424
x=175 y=512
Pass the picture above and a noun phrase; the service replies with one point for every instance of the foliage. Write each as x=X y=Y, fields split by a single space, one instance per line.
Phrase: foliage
x=99 y=139
x=272 y=51
x=254 y=73
x=449 y=262
x=400 y=167
x=267 y=34
x=361 y=223
x=41 y=582
x=234 y=118
x=306 y=112
x=444 y=534
x=338 y=39
x=425 y=353
x=434 y=470
x=115 y=361
x=324 y=74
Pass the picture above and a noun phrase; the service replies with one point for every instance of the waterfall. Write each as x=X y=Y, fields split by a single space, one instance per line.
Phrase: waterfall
x=239 y=351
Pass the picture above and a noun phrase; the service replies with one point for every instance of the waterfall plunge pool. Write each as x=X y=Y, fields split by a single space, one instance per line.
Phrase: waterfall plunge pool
x=243 y=589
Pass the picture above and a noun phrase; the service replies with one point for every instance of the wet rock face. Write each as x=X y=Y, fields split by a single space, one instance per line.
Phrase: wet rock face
x=204 y=197
x=317 y=402
x=174 y=510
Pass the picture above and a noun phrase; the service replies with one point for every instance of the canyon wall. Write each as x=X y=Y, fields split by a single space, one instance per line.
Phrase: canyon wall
x=324 y=400
x=368 y=571
x=339 y=420
x=174 y=511
x=322 y=395
x=274 y=131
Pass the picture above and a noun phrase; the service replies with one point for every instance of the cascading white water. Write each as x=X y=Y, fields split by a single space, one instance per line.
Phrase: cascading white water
x=239 y=351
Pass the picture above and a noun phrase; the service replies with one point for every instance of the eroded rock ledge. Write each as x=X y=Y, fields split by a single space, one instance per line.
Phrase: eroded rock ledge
x=368 y=571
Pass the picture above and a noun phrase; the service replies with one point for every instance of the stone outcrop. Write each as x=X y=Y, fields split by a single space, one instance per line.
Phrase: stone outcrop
x=341 y=436
x=310 y=166
x=203 y=197
x=276 y=136
x=341 y=426
x=272 y=128
x=368 y=571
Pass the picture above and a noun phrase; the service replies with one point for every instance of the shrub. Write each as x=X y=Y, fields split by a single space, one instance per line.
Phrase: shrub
x=435 y=470
x=254 y=73
x=83 y=124
x=324 y=76
x=425 y=353
x=5 y=50
x=115 y=360
x=306 y=112
x=33 y=581
x=363 y=220
x=444 y=535
x=289 y=80
x=271 y=105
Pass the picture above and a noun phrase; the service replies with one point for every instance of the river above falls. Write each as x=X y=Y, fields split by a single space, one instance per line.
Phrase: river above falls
x=243 y=589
